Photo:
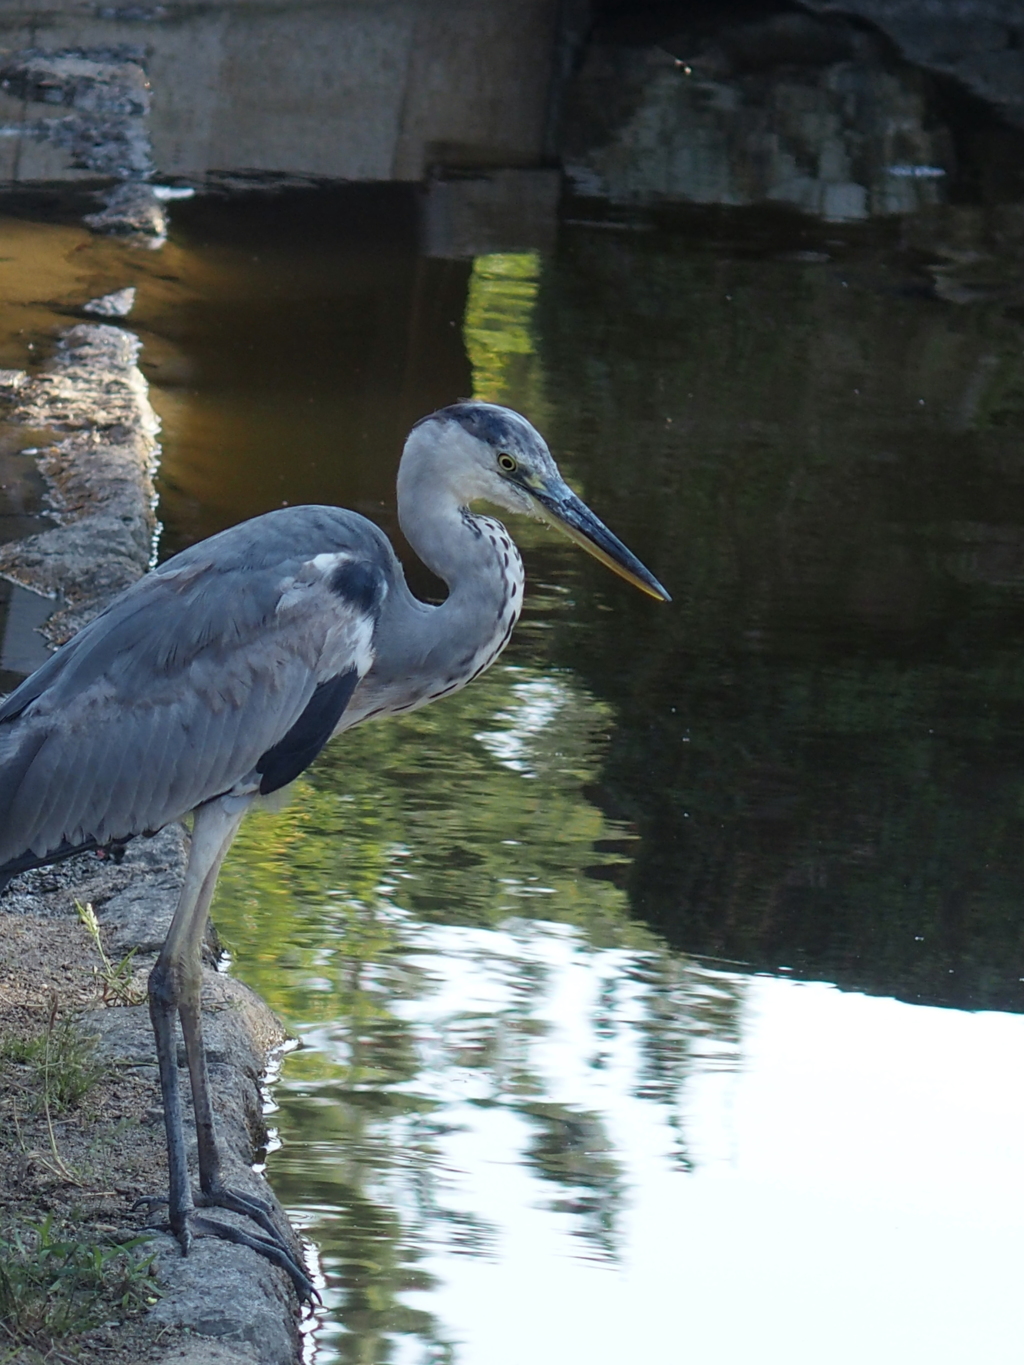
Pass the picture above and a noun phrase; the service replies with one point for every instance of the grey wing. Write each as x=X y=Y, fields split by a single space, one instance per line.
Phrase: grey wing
x=201 y=679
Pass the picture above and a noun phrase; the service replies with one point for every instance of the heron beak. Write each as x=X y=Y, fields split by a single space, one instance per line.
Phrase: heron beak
x=561 y=508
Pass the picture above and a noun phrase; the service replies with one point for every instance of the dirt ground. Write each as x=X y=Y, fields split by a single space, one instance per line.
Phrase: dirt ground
x=80 y=1162
x=82 y=1139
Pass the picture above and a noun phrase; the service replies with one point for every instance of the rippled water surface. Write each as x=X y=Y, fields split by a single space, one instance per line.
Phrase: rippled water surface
x=659 y=994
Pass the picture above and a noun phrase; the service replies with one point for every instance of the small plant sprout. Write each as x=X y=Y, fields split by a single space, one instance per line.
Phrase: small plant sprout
x=117 y=986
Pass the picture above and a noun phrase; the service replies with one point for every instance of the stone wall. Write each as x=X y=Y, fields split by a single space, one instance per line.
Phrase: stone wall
x=341 y=88
x=979 y=43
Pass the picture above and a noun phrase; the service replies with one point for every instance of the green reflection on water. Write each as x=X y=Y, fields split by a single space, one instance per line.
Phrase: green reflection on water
x=498 y=331
x=820 y=741
x=460 y=820
x=819 y=744
x=469 y=812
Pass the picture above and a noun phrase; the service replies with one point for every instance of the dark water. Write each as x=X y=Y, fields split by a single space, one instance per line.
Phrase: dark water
x=821 y=743
x=818 y=745
x=564 y=951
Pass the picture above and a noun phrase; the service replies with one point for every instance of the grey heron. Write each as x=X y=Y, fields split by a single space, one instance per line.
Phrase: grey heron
x=219 y=676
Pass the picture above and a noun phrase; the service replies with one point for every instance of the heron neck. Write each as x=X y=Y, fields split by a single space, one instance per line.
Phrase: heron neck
x=443 y=533
x=424 y=651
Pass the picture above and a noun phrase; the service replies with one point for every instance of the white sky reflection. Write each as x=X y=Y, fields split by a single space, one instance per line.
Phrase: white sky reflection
x=533 y=705
x=857 y=1191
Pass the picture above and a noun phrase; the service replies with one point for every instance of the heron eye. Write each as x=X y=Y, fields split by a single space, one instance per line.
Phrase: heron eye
x=507 y=463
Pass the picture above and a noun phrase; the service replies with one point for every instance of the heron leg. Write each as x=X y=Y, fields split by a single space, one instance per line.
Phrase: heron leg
x=213 y=1191
x=175 y=989
x=175 y=978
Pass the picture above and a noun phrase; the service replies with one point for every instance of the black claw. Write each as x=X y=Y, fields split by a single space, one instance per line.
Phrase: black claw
x=250 y=1205
x=149 y=1202
x=273 y=1250
x=273 y=1246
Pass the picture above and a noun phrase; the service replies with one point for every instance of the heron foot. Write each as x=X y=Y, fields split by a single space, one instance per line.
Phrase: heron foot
x=261 y=1212
x=270 y=1243
x=149 y=1202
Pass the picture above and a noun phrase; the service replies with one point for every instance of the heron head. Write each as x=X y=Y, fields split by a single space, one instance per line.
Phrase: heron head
x=499 y=457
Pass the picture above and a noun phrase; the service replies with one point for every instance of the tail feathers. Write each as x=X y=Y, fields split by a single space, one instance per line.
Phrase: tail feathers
x=18 y=751
x=27 y=861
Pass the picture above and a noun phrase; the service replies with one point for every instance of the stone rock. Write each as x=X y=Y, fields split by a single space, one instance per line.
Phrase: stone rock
x=226 y=1293
x=100 y=475
x=133 y=209
x=138 y=916
x=116 y=305
x=204 y=1351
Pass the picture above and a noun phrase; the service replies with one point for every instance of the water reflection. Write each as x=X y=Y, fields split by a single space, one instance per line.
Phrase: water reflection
x=456 y=1057
x=527 y=1119
x=427 y=916
x=509 y=1139
x=500 y=335
x=515 y=1091
x=861 y=1155
x=790 y=109
x=820 y=743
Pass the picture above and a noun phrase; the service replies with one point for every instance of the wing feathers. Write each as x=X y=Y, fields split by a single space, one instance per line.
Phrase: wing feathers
x=18 y=759
x=178 y=691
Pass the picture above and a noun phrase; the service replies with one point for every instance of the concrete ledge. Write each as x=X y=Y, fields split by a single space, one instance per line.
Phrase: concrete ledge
x=99 y=475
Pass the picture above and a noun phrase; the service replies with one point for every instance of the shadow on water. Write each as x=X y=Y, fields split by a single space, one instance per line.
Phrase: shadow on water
x=310 y=323
x=821 y=742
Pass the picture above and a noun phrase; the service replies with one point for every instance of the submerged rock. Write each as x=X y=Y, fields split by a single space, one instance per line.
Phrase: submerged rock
x=116 y=305
x=132 y=209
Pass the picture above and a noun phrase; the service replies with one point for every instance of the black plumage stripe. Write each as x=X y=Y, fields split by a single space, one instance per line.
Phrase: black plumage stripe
x=360 y=582
x=296 y=751
x=27 y=861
